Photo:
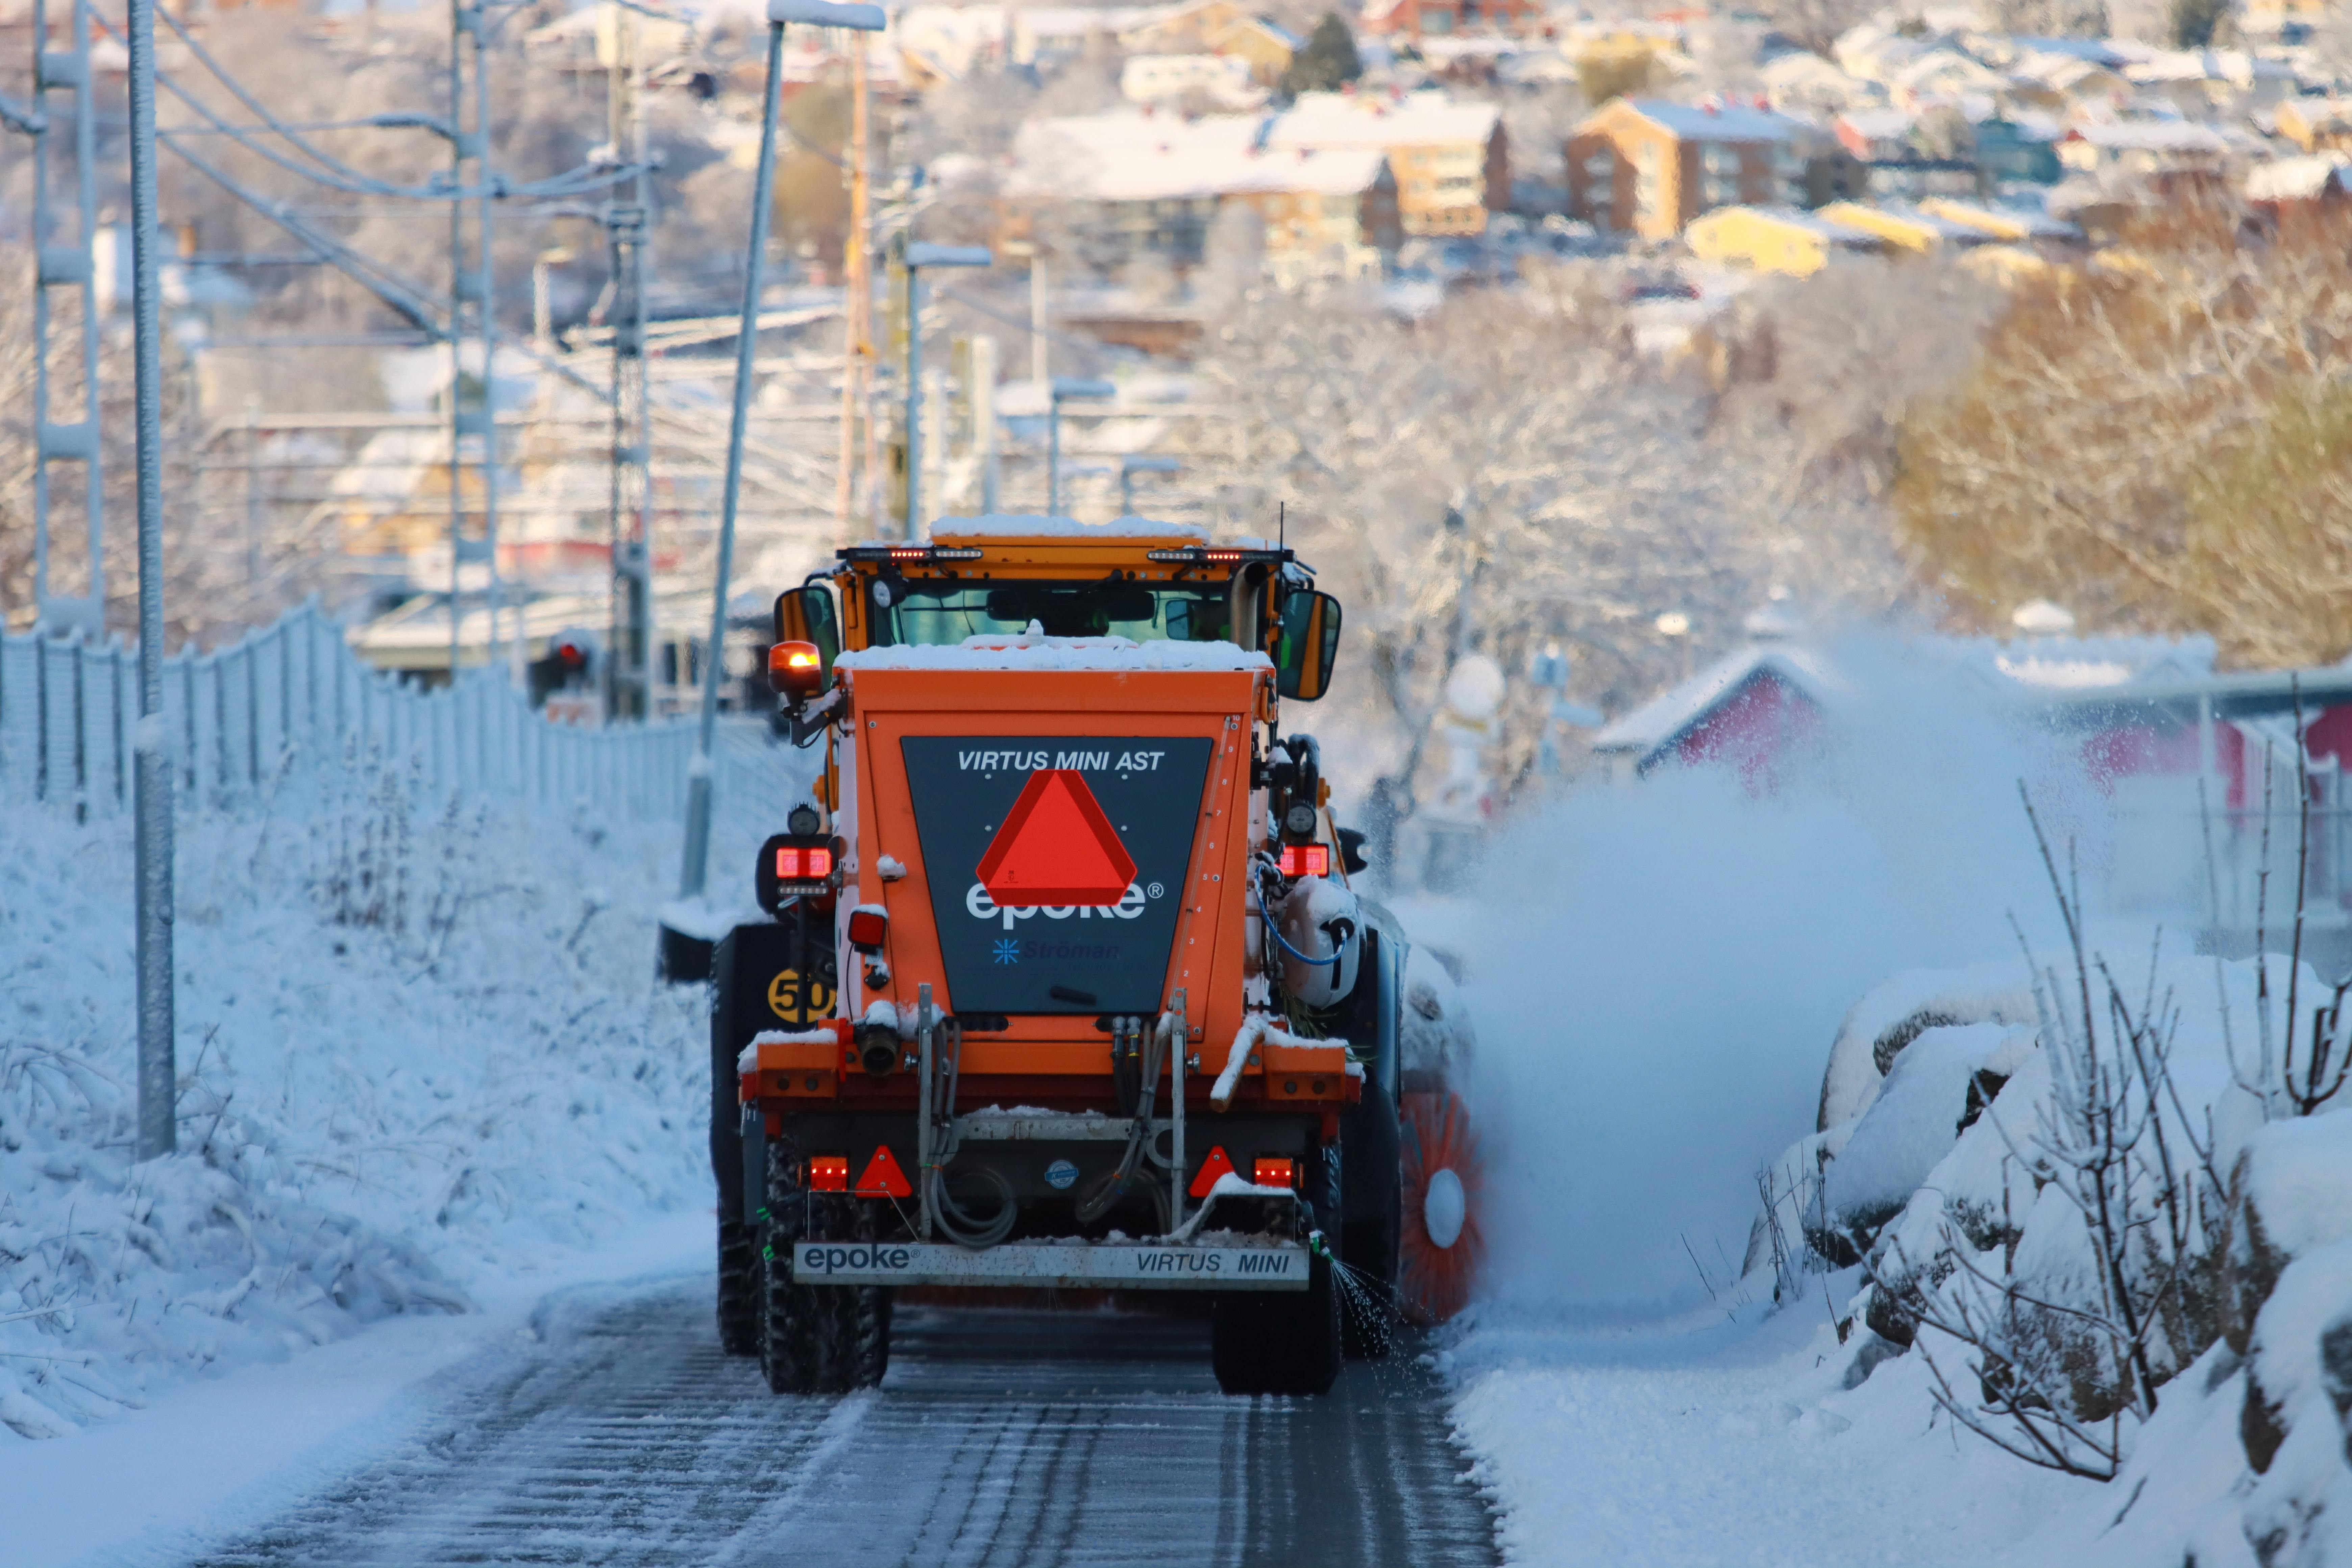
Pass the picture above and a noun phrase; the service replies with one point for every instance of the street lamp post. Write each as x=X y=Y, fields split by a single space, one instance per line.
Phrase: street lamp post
x=695 y=873
x=1132 y=465
x=1060 y=388
x=916 y=257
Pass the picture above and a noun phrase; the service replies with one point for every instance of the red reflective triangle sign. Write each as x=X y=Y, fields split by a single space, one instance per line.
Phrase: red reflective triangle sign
x=883 y=1178
x=1217 y=1165
x=1056 y=847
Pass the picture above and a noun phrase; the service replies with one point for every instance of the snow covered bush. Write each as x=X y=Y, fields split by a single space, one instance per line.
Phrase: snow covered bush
x=418 y=1039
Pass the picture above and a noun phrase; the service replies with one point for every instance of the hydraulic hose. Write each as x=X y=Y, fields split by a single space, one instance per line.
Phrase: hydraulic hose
x=1092 y=1209
x=958 y=1225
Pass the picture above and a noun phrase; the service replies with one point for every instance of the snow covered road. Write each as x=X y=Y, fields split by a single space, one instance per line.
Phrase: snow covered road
x=624 y=1438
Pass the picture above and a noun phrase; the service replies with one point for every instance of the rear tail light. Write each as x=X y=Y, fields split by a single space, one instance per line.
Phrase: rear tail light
x=867 y=927
x=1272 y=1171
x=794 y=864
x=829 y=1174
x=796 y=668
x=1306 y=861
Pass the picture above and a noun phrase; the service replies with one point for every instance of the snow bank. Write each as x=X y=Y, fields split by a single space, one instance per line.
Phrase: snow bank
x=419 y=1046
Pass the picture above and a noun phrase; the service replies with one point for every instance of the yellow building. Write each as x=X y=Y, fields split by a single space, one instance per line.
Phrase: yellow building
x=1904 y=226
x=2006 y=224
x=1776 y=240
x=1265 y=43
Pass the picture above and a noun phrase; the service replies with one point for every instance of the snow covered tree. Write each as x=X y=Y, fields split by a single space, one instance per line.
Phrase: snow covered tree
x=2157 y=443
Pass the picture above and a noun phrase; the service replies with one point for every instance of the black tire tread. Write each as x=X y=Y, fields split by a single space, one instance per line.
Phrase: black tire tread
x=739 y=1290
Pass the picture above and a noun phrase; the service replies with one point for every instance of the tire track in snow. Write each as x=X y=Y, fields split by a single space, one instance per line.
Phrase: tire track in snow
x=626 y=1439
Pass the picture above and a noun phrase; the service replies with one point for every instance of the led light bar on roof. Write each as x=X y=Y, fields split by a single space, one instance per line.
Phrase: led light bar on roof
x=911 y=552
x=1215 y=555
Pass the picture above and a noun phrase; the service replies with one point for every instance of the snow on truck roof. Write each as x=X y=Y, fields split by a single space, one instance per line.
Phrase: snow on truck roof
x=1015 y=527
x=1033 y=651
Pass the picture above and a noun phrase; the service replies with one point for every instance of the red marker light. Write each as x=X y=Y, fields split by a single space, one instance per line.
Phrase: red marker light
x=1271 y=1170
x=829 y=1174
x=1306 y=861
x=866 y=930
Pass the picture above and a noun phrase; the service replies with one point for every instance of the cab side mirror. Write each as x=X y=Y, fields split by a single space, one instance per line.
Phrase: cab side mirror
x=1309 y=645
x=805 y=615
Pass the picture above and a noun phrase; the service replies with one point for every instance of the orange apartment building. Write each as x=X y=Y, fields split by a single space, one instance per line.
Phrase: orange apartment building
x=1646 y=167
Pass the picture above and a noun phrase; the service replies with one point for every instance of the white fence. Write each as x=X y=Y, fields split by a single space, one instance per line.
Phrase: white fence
x=234 y=719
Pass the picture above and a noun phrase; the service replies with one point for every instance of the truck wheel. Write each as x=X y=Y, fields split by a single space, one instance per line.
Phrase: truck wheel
x=739 y=1290
x=789 y=1318
x=854 y=1320
x=1278 y=1341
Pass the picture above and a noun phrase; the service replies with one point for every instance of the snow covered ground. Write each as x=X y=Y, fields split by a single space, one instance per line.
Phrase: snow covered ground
x=422 y=1056
x=1715 y=1440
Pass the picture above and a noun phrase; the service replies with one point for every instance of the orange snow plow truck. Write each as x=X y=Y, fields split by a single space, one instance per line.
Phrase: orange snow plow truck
x=1062 y=984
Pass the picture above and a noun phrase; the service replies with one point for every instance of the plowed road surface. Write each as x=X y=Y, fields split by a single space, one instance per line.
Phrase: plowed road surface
x=624 y=1436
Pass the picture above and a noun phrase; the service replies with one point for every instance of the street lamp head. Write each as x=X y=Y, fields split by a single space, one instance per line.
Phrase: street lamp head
x=1135 y=464
x=922 y=254
x=825 y=13
x=1064 y=387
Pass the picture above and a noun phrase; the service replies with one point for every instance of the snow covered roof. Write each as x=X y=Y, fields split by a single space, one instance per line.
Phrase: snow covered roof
x=2294 y=179
x=1335 y=119
x=1016 y=527
x=1128 y=157
x=2149 y=136
x=1731 y=123
x=1879 y=124
x=1033 y=651
x=1672 y=713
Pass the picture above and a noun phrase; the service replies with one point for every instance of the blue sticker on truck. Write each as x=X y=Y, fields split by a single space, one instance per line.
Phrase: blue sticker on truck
x=1106 y=958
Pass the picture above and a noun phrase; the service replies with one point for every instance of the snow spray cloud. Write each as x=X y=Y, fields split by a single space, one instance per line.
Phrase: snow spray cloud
x=1658 y=969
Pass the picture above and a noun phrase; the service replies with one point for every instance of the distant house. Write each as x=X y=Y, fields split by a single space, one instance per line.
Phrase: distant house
x=1777 y=239
x=1802 y=79
x=1745 y=712
x=2009 y=150
x=1417 y=19
x=1169 y=78
x=2008 y=226
x=1263 y=44
x=1648 y=167
x=2299 y=186
x=2316 y=125
x=1904 y=228
x=1873 y=133
x=1190 y=27
x=1451 y=160
x=2142 y=147
x=1129 y=184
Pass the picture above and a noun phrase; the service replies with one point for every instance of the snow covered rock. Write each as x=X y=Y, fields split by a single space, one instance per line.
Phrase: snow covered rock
x=1896 y=1013
x=1911 y=1124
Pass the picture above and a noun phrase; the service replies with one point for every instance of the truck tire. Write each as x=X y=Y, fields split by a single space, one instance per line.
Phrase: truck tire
x=1278 y=1342
x=790 y=1331
x=739 y=1290
x=856 y=1318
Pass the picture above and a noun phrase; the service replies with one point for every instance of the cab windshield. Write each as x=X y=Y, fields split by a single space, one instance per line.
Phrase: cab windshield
x=947 y=611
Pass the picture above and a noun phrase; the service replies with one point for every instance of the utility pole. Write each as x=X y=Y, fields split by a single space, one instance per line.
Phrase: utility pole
x=695 y=872
x=856 y=301
x=65 y=267
x=629 y=679
x=158 y=1068
x=981 y=398
x=471 y=301
x=1039 y=370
